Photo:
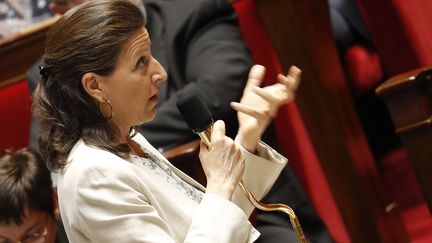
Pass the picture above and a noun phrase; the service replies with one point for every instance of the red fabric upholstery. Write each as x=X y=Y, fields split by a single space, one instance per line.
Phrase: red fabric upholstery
x=399 y=29
x=291 y=132
x=400 y=179
x=363 y=68
x=419 y=226
x=401 y=32
x=15 y=110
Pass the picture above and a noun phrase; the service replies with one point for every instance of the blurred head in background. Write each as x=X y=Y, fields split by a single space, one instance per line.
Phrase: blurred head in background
x=28 y=203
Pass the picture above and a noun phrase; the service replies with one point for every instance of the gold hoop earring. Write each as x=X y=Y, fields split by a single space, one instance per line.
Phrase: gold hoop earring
x=110 y=108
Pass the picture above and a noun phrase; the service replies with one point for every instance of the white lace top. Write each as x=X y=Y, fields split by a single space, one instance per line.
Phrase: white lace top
x=160 y=168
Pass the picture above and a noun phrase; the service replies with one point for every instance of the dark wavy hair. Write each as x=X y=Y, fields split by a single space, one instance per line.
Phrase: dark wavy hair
x=25 y=182
x=88 y=38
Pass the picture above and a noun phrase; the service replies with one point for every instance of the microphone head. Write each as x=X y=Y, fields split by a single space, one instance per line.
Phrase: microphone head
x=195 y=113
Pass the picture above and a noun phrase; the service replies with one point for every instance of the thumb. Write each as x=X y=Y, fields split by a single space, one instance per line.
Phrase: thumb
x=218 y=130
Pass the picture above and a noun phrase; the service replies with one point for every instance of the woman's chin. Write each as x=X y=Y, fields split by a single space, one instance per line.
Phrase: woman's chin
x=148 y=118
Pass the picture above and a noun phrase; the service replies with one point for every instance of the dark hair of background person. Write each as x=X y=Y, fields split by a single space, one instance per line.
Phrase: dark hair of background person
x=25 y=183
x=77 y=44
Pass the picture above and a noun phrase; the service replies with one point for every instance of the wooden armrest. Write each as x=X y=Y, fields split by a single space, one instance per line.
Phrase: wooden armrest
x=179 y=153
x=403 y=95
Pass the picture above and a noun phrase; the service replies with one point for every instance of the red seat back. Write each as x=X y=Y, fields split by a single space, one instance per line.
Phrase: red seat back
x=401 y=32
x=15 y=110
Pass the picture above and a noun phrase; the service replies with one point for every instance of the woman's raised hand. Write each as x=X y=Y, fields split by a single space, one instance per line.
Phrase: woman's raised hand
x=258 y=106
x=223 y=162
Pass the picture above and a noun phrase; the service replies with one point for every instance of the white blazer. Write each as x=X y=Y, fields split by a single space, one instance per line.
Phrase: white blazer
x=104 y=198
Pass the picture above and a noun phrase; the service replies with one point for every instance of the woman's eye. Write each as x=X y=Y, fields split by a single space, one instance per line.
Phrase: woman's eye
x=141 y=63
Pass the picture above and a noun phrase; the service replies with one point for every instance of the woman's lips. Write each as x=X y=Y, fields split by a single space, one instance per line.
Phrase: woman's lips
x=154 y=99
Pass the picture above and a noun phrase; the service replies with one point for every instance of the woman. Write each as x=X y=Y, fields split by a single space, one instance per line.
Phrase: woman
x=99 y=82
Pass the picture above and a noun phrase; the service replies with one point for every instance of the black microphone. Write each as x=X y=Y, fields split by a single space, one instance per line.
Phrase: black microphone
x=197 y=116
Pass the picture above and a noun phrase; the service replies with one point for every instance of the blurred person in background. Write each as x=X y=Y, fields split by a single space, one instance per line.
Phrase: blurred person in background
x=28 y=204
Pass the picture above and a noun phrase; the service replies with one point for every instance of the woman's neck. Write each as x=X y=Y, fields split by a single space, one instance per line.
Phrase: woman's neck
x=135 y=147
x=122 y=132
x=125 y=138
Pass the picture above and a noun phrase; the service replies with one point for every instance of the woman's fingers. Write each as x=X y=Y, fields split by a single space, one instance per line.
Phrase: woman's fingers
x=223 y=164
x=244 y=109
x=256 y=76
x=292 y=80
x=295 y=73
x=271 y=96
x=259 y=115
x=275 y=95
x=218 y=130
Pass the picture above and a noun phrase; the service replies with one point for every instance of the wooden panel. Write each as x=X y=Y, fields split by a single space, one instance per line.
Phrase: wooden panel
x=301 y=34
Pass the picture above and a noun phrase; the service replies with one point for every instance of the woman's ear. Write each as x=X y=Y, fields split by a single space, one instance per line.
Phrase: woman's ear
x=91 y=83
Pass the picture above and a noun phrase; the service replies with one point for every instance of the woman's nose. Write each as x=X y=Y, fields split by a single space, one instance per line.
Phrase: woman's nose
x=160 y=74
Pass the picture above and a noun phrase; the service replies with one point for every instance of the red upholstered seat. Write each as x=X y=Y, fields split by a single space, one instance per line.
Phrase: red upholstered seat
x=15 y=110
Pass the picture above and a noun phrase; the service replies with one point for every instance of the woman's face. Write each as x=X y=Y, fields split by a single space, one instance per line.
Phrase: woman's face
x=133 y=86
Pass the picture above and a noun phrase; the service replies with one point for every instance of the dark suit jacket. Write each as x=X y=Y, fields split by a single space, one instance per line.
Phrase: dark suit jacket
x=199 y=44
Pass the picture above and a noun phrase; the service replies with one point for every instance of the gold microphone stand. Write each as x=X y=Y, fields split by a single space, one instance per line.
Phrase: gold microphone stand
x=205 y=137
